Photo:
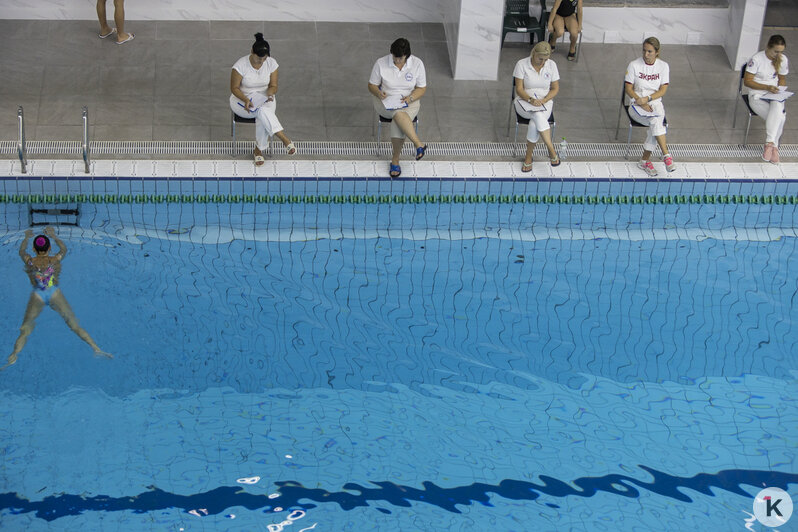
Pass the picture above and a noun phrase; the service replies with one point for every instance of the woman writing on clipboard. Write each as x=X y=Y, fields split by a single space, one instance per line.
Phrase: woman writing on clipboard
x=253 y=86
x=537 y=82
x=764 y=74
x=397 y=82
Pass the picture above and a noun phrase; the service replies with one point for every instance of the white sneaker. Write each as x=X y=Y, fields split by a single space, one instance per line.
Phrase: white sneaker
x=668 y=160
x=647 y=167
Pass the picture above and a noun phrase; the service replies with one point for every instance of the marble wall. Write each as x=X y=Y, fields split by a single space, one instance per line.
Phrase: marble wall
x=475 y=46
x=672 y=25
x=473 y=27
x=273 y=10
x=743 y=29
x=451 y=26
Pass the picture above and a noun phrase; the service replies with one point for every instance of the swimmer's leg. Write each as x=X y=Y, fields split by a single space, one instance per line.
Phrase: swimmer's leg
x=35 y=306
x=59 y=303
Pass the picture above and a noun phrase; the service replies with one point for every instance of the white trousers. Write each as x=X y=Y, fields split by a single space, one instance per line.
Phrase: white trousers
x=538 y=121
x=266 y=123
x=656 y=127
x=774 y=114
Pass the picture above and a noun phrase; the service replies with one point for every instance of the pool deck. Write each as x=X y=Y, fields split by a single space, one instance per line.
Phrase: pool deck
x=172 y=83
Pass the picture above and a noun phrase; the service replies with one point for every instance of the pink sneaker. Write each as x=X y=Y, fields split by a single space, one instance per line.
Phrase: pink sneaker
x=774 y=155
x=668 y=160
x=647 y=167
x=768 y=153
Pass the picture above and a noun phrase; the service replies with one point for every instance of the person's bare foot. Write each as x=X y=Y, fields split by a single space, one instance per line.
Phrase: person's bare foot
x=12 y=359
x=106 y=31
x=100 y=353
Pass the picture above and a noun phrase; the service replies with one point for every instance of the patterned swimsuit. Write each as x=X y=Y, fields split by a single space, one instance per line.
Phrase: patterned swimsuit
x=45 y=281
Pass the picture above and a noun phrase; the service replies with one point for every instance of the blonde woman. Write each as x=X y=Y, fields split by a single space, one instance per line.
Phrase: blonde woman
x=646 y=82
x=764 y=74
x=537 y=82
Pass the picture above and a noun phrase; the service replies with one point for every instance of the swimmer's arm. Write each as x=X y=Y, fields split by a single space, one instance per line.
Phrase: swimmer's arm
x=62 y=249
x=23 y=247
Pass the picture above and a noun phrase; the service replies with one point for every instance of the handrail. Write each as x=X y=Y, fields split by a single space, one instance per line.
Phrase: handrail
x=22 y=149
x=86 y=154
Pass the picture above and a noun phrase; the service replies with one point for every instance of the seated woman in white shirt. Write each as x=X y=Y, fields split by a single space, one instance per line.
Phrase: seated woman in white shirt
x=764 y=73
x=253 y=84
x=402 y=79
x=537 y=82
x=646 y=82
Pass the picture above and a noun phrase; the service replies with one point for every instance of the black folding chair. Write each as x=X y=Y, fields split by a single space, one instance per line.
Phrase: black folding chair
x=744 y=97
x=518 y=20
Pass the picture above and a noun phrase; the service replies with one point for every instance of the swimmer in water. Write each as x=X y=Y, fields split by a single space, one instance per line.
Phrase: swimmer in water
x=43 y=270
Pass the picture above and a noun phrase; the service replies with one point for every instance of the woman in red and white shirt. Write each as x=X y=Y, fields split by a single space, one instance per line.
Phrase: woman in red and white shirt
x=764 y=74
x=646 y=82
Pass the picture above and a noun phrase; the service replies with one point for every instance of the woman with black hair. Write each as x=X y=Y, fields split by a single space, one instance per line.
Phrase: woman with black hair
x=253 y=84
x=397 y=82
x=43 y=271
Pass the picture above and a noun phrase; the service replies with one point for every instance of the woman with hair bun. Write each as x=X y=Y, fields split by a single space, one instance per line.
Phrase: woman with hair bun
x=764 y=74
x=253 y=84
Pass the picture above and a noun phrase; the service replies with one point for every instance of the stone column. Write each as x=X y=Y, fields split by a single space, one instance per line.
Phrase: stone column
x=473 y=33
x=744 y=30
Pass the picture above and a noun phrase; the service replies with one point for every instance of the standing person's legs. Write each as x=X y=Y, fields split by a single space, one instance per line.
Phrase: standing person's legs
x=105 y=29
x=119 y=20
x=34 y=308
x=59 y=303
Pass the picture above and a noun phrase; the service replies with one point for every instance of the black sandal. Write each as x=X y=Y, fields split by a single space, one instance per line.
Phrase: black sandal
x=571 y=56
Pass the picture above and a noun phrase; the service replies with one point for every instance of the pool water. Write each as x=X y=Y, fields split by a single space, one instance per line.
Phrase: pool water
x=404 y=364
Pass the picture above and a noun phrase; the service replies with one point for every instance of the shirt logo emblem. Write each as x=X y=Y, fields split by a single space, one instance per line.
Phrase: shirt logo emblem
x=409 y=77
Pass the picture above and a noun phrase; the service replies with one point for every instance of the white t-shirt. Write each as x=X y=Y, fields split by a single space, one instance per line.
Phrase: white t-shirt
x=762 y=69
x=647 y=79
x=253 y=80
x=393 y=81
x=536 y=84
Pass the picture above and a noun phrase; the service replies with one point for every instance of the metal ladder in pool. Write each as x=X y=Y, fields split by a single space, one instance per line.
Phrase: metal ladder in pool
x=22 y=148
x=44 y=214
x=41 y=214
